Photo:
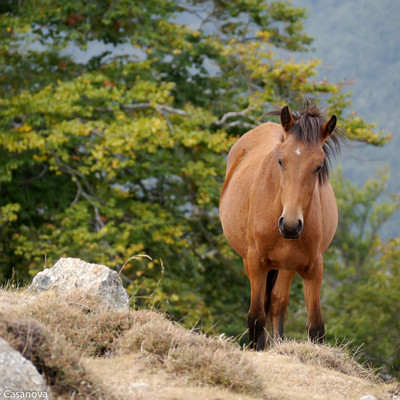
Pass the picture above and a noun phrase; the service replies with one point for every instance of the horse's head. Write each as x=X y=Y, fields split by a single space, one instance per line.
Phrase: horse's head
x=302 y=161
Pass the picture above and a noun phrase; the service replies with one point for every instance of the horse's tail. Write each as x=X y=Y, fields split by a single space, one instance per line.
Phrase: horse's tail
x=271 y=279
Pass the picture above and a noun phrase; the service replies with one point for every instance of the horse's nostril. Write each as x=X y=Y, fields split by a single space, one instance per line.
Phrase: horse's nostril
x=280 y=221
x=300 y=225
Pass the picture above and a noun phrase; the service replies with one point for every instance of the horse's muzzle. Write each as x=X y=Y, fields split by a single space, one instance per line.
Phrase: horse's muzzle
x=290 y=231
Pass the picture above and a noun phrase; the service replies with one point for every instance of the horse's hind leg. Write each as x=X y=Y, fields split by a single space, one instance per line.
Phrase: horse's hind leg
x=280 y=301
x=312 y=280
x=256 y=317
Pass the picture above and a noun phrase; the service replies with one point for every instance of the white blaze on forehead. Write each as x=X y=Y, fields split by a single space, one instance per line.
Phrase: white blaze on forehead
x=298 y=151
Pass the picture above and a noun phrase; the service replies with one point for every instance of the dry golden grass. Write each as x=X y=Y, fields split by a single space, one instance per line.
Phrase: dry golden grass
x=202 y=359
x=82 y=320
x=95 y=331
x=130 y=376
x=86 y=351
x=339 y=358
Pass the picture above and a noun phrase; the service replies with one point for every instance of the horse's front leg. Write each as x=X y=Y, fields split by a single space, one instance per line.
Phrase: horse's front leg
x=312 y=279
x=280 y=301
x=256 y=317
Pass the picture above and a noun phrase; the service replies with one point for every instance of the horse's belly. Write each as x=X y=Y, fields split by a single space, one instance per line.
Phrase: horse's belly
x=234 y=224
x=234 y=209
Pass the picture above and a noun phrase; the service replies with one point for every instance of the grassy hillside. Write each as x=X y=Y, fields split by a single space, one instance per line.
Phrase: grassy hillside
x=85 y=351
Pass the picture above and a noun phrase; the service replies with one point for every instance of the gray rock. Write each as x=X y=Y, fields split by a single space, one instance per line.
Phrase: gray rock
x=17 y=374
x=69 y=274
x=368 y=397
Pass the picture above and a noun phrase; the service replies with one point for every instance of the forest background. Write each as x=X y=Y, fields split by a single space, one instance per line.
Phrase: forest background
x=115 y=121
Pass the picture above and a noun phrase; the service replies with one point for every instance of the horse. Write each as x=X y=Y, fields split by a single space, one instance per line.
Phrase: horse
x=278 y=211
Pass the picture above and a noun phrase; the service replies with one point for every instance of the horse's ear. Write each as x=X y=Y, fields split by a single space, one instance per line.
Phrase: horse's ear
x=287 y=120
x=328 y=127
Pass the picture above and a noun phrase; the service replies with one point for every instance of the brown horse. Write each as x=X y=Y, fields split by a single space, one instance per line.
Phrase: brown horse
x=279 y=213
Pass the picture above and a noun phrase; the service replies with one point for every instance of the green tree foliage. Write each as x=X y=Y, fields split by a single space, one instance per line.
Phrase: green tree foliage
x=362 y=288
x=124 y=153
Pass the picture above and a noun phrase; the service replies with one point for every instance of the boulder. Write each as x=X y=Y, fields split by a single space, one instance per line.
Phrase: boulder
x=69 y=274
x=18 y=375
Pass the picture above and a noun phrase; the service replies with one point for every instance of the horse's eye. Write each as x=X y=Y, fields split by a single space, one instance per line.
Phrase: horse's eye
x=319 y=169
x=280 y=163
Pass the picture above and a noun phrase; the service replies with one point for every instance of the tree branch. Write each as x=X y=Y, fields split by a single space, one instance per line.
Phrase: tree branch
x=42 y=173
x=75 y=174
x=163 y=109
x=239 y=122
x=235 y=114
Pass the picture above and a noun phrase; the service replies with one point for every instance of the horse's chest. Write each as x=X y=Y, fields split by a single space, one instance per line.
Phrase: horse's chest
x=289 y=258
x=289 y=254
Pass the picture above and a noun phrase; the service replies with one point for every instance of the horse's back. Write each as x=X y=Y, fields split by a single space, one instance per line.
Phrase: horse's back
x=244 y=159
x=255 y=143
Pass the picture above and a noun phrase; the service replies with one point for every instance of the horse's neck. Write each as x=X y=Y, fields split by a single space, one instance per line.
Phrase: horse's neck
x=267 y=184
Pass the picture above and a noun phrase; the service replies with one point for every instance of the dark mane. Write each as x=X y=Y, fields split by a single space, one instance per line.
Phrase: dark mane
x=307 y=128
